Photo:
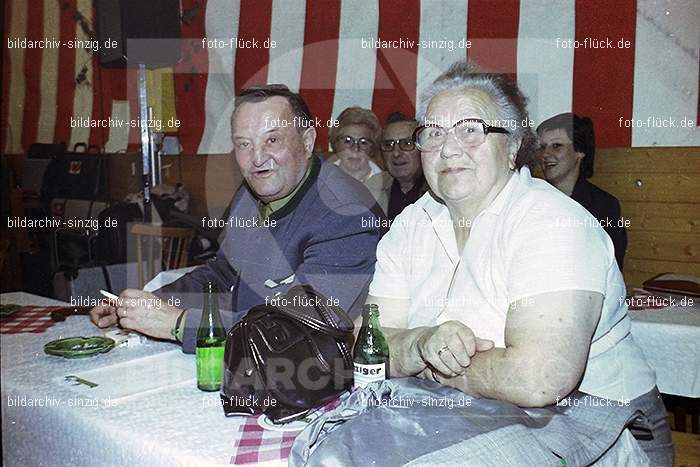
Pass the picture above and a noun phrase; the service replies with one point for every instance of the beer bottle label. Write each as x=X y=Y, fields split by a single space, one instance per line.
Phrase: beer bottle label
x=365 y=374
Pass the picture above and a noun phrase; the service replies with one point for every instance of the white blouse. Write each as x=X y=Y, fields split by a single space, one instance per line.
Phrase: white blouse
x=532 y=239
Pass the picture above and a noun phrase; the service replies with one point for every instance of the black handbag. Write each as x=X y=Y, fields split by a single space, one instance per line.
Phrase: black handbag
x=76 y=175
x=287 y=357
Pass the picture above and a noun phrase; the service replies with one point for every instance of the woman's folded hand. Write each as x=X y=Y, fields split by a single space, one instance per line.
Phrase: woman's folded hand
x=448 y=347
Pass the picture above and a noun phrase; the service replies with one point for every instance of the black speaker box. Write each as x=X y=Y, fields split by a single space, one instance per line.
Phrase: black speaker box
x=45 y=151
x=131 y=32
x=76 y=175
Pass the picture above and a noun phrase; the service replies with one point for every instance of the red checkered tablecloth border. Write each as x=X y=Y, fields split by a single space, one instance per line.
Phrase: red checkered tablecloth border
x=255 y=444
x=30 y=319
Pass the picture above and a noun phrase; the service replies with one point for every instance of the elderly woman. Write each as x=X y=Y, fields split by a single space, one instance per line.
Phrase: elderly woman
x=566 y=152
x=496 y=283
x=354 y=141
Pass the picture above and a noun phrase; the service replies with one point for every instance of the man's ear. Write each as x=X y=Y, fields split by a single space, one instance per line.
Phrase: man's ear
x=513 y=148
x=579 y=155
x=309 y=138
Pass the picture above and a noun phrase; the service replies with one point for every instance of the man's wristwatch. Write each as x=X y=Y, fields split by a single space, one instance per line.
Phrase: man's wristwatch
x=179 y=329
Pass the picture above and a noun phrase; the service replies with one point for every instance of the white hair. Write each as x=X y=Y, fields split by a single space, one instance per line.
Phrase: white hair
x=507 y=97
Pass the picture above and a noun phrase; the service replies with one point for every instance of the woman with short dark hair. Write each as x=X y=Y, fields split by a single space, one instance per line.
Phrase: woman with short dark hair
x=567 y=152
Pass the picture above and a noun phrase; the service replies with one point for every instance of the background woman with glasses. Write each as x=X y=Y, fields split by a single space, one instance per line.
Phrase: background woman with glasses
x=354 y=142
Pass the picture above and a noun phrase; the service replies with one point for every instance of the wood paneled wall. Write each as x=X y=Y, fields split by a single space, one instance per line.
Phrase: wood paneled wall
x=659 y=192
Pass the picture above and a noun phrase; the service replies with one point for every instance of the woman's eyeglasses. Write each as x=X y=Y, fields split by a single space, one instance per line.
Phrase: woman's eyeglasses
x=348 y=142
x=470 y=132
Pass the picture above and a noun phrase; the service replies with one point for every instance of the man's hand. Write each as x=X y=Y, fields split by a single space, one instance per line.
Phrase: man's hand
x=139 y=311
x=448 y=348
x=104 y=315
x=147 y=313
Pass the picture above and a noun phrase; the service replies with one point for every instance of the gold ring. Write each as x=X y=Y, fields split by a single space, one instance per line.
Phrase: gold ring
x=442 y=350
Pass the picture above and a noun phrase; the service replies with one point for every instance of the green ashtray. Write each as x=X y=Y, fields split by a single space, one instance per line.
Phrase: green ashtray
x=79 y=347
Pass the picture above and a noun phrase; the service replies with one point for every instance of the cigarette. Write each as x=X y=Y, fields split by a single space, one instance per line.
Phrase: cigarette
x=111 y=296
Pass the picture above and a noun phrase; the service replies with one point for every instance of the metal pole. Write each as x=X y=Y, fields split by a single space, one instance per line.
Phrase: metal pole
x=153 y=151
x=145 y=144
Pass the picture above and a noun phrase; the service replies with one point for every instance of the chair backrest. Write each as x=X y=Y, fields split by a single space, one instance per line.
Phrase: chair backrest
x=174 y=242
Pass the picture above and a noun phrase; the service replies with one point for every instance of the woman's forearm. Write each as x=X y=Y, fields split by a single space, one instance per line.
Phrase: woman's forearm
x=495 y=374
x=507 y=375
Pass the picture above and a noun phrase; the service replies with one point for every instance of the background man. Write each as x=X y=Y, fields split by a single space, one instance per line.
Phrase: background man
x=312 y=227
x=404 y=183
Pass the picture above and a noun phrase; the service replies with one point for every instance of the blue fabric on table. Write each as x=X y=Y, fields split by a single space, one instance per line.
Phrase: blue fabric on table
x=406 y=420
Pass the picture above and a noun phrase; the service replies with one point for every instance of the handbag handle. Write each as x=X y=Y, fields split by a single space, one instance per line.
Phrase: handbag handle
x=87 y=149
x=325 y=310
x=312 y=322
x=306 y=320
x=80 y=145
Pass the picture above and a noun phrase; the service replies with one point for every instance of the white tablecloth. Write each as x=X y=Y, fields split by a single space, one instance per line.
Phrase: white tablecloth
x=172 y=422
x=166 y=277
x=670 y=340
x=169 y=423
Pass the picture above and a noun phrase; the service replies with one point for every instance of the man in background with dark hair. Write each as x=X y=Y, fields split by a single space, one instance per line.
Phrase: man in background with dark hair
x=404 y=183
x=295 y=220
x=566 y=152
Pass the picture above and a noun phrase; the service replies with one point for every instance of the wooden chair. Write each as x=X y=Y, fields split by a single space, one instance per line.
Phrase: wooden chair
x=687 y=448
x=175 y=247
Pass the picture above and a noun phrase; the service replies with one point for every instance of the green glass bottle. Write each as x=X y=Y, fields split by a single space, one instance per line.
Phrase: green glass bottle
x=211 y=342
x=371 y=352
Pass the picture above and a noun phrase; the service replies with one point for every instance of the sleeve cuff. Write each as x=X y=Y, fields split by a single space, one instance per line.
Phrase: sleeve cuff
x=189 y=332
x=180 y=330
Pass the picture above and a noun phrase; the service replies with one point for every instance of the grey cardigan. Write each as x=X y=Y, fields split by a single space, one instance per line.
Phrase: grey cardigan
x=323 y=237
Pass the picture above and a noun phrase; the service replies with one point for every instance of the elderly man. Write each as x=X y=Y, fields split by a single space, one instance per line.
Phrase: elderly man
x=305 y=223
x=404 y=183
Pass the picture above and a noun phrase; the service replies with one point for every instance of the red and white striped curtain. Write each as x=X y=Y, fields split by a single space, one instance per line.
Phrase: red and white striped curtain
x=635 y=70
